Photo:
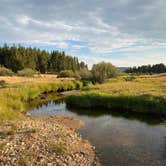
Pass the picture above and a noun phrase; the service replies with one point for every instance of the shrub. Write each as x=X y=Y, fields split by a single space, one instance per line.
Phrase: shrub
x=66 y=73
x=6 y=72
x=77 y=75
x=2 y=83
x=85 y=74
x=78 y=84
x=86 y=83
x=27 y=72
x=103 y=71
x=129 y=78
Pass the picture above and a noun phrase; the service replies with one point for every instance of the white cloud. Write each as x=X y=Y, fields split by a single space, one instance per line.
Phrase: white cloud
x=24 y=20
x=61 y=44
x=124 y=26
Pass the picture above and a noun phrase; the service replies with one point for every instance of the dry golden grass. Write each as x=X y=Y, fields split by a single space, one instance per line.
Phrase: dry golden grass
x=141 y=94
x=147 y=84
x=36 y=79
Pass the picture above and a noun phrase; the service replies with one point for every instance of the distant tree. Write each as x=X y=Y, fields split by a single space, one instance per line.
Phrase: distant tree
x=157 y=68
x=83 y=65
x=102 y=71
x=42 y=62
x=19 y=57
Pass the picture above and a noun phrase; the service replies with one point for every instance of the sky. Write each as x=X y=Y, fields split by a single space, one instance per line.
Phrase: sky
x=123 y=32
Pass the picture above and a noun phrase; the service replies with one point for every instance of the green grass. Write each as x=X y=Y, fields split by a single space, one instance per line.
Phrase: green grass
x=1 y=146
x=14 y=98
x=23 y=161
x=57 y=147
x=143 y=94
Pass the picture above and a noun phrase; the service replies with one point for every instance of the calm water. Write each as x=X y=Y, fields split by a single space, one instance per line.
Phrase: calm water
x=120 y=140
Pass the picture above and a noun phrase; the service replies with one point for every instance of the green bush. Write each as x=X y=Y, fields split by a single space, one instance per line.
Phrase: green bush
x=129 y=78
x=85 y=74
x=6 y=72
x=66 y=73
x=2 y=83
x=77 y=75
x=87 y=83
x=78 y=84
x=103 y=71
x=27 y=72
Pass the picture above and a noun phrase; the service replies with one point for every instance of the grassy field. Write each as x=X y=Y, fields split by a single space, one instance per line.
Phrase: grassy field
x=145 y=94
x=36 y=79
x=18 y=91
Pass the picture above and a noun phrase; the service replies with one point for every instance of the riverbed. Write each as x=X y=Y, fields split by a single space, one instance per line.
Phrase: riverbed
x=119 y=139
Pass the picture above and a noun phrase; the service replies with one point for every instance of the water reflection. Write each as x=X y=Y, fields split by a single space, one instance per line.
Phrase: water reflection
x=120 y=138
x=149 y=119
x=43 y=105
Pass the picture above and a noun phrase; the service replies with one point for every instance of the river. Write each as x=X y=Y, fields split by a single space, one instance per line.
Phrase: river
x=120 y=139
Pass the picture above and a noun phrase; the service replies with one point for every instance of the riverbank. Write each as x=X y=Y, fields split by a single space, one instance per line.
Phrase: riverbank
x=141 y=94
x=14 y=96
x=54 y=140
x=26 y=140
x=119 y=139
x=44 y=141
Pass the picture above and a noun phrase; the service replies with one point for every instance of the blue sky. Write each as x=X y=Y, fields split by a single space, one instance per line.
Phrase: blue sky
x=123 y=32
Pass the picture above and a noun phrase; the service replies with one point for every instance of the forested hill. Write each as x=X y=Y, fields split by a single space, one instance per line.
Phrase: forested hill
x=18 y=58
x=157 y=68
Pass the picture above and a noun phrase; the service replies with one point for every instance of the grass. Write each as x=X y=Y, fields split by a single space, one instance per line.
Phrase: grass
x=23 y=161
x=143 y=94
x=10 y=132
x=57 y=147
x=13 y=97
x=1 y=146
x=33 y=130
x=10 y=129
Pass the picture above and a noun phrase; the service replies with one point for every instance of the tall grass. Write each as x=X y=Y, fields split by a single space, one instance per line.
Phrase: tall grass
x=142 y=103
x=137 y=94
x=13 y=99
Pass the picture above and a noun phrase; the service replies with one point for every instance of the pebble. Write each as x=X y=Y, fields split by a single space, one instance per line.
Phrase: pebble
x=34 y=147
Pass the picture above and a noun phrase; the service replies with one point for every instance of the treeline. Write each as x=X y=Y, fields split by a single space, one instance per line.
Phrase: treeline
x=157 y=68
x=19 y=57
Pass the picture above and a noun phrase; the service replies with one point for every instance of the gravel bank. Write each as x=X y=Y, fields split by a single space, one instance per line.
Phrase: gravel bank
x=50 y=141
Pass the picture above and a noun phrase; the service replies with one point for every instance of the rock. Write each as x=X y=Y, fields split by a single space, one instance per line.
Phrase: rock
x=27 y=114
x=51 y=134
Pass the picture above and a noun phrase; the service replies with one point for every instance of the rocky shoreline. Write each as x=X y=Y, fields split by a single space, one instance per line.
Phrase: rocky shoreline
x=45 y=141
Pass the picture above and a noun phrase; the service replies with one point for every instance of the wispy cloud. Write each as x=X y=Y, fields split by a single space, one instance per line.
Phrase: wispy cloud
x=125 y=32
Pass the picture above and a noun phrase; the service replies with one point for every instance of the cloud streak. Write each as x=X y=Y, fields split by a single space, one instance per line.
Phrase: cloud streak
x=110 y=28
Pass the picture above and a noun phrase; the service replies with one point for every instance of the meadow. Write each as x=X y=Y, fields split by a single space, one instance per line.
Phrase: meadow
x=145 y=94
x=142 y=94
x=17 y=91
